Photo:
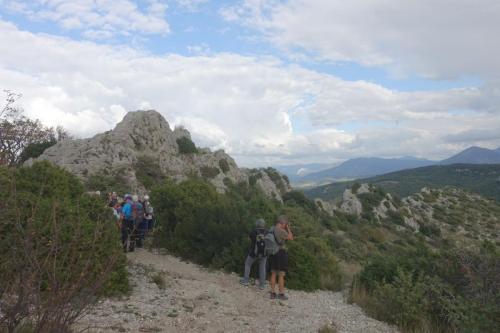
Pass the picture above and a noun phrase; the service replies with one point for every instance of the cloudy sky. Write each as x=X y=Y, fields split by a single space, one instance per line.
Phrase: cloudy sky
x=271 y=82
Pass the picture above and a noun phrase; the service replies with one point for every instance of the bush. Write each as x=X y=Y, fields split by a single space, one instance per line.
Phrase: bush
x=455 y=290
x=209 y=172
x=224 y=165
x=186 y=146
x=105 y=182
x=148 y=172
x=211 y=229
x=59 y=249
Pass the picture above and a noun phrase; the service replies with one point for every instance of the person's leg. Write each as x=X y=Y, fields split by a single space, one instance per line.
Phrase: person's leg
x=273 y=282
x=248 y=265
x=281 y=282
x=262 y=272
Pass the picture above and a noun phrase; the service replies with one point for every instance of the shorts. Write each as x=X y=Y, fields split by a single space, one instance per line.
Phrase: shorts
x=279 y=261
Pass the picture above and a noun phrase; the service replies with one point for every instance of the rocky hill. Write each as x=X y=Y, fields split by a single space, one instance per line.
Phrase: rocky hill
x=144 y=140
x=448 y=213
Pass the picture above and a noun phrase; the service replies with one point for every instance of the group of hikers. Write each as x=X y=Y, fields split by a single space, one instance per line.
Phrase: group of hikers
x=268 y=247
x=135 y=218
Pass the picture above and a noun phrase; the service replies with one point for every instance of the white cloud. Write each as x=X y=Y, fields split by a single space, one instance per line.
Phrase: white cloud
x=98 y=19
x=252 y=107
x=436 y=39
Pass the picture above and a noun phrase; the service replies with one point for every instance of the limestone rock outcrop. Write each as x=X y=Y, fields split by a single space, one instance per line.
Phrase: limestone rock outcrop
x=146 y=135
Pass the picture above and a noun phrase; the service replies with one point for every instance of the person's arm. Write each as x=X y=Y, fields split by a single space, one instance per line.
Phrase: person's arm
x=290 y=234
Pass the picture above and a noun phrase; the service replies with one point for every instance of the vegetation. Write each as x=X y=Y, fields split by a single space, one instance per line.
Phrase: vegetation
x=59 y=249
x=481 y=179
x=208 y=172
x=186 y=146
x=224 y=165
x=455 y=290
x=148 y=172
x=210 y=228
x=22 y=138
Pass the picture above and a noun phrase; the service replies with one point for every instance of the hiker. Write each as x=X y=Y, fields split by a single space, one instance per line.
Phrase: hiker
x=148 y=215
x=127 y=225
x=256 y=253
x=112 y=199
x=278 y=262
x=138 y=215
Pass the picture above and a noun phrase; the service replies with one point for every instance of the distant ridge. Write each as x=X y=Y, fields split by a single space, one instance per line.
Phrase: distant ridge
x=364 y=167
x=475 y=155
x=483 y=179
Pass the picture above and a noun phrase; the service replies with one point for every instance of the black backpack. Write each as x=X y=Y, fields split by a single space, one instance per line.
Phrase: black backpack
x=260 y=245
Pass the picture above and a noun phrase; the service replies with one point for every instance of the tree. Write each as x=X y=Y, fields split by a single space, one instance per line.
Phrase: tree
x=21 y=137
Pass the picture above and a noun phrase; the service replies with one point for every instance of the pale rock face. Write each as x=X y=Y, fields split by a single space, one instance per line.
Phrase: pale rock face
x=350 y=203
x=147 y=134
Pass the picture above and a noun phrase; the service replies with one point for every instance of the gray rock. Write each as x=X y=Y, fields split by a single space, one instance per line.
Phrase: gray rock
x=146 y=134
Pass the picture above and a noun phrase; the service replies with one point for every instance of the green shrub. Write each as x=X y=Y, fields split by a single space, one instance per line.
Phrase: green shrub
x=186 y=146
x=105 y=182
x=148 y=172
x=208 y=172
x=59 y=248
x=224 y=165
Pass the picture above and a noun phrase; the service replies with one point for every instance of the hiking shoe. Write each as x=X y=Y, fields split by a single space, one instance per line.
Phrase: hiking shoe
x=244 y=282
x=273 y=295
x=282 y=297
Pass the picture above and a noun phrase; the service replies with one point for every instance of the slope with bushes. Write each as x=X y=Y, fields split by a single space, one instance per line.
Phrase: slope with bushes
x=59 y=250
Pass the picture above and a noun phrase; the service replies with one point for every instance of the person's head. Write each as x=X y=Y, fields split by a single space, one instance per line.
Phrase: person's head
x=282 y=222
x=127 y=197
x=146 y=197
x=260 y=223
x=114 y=195
x=135 y=198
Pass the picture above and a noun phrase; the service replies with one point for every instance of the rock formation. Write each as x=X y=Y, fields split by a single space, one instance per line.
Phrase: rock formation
x=147 y=136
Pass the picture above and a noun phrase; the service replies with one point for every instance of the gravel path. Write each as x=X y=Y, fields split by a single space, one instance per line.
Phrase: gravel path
x=194 y=299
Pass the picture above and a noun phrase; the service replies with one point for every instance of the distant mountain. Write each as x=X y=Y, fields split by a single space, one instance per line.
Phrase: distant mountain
x=475 y=155
x=483 y=179
x=366 y=167
x=297 y=171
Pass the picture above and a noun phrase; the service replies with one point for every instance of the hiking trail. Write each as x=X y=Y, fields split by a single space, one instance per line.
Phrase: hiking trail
x=170 y=295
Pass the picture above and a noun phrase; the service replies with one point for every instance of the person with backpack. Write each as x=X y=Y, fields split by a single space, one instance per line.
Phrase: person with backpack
x=127 y=224
x=278 y=256
x=148 y=215
x=138 y=215
x=257 y=252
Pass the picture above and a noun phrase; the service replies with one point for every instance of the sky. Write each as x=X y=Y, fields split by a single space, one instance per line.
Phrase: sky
x=273 y=82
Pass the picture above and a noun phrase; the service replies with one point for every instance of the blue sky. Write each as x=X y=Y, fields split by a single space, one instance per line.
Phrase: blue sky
x=273 y=82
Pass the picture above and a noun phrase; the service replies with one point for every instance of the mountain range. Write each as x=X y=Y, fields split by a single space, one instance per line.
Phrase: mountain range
x=372 y=166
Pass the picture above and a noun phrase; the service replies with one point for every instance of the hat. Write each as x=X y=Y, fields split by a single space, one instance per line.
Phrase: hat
x=260 y=223
x=282 y=219
x=146 y=197
x=135 y=198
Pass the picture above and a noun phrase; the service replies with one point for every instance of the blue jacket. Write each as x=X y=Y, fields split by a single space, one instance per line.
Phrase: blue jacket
x=127 y=211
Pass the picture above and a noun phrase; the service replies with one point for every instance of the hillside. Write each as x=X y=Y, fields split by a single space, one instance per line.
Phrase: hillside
x=359 y=168
x=474 y=155
x=364 y=167
x=142 y=150
x=481 y=179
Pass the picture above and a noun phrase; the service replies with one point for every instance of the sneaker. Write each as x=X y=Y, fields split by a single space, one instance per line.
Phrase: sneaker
x=273 y=295
x=282 y=297
x=262 y=286
x=244 y=282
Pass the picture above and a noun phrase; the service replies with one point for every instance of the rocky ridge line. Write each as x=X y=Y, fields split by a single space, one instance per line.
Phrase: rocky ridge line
x=147 y=135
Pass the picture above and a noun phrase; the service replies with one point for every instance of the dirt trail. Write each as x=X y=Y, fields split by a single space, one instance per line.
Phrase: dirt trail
x=196 y=300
